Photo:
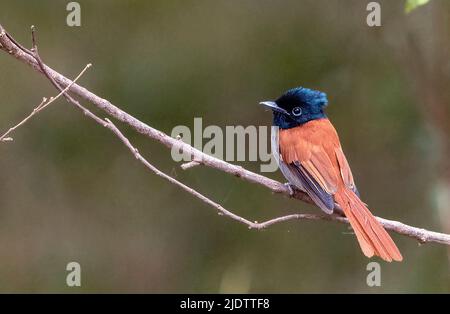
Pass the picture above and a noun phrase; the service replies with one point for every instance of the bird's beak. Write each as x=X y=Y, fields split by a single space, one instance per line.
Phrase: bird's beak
x=273 y=106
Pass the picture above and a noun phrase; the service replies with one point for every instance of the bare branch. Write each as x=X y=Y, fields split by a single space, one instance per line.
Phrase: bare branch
x=9 y=45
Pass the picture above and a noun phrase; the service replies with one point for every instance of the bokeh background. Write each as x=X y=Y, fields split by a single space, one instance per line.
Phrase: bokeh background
x=70 y=191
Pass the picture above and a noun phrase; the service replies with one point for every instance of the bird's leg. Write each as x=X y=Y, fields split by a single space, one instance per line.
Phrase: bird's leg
x=291 y=188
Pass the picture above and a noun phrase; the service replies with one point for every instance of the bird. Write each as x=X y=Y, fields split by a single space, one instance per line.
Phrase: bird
x=309 y=154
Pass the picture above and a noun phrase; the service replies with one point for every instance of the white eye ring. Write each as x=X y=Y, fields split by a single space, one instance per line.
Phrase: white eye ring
x=297 y=111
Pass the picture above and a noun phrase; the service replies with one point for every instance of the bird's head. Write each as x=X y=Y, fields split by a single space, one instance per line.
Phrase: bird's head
x=297 y=106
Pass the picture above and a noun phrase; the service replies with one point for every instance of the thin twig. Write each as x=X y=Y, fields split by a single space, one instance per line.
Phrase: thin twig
x=190 y=164
x=32 y=58
x=44 y=70
x=44 y=104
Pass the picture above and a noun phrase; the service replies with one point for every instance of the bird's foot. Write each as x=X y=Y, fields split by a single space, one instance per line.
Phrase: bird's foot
x=291 y=188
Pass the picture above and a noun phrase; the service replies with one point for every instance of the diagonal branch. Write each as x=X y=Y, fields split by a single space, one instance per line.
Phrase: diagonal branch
x=31 y=57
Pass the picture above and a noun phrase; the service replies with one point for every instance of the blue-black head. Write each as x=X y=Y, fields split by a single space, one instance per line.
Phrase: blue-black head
x=297 y=106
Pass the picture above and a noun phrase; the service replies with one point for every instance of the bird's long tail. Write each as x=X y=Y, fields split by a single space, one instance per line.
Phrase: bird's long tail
x=372 y=237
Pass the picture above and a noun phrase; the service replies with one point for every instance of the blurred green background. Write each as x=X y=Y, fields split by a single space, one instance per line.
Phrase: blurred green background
x=70 y=191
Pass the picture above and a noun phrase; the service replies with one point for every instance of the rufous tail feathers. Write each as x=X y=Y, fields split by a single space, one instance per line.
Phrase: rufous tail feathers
x=372 y=237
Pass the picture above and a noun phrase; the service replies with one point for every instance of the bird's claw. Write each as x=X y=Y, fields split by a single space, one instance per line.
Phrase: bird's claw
x=291 y=188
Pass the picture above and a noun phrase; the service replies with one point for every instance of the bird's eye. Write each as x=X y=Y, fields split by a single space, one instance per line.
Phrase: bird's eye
x=297 y=111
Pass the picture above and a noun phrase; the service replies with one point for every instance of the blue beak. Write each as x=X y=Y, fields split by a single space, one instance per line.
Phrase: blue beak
x=273 y=106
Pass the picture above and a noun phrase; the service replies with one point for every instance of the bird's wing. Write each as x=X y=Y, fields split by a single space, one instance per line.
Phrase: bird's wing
x=308 y=152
